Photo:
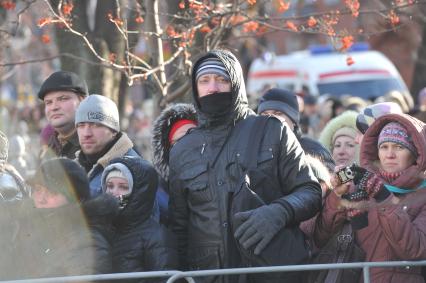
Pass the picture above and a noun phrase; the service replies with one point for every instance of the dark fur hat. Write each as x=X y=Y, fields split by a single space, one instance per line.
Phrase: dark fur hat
x=160 y=133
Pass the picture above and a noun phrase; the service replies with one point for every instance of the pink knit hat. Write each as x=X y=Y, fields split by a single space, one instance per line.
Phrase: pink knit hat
x=396 y=133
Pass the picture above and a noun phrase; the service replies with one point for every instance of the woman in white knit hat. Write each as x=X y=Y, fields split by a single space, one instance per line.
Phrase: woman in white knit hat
x=338 y=136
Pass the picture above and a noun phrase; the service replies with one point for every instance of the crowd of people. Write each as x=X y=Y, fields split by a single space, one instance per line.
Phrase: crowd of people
x=227 y=187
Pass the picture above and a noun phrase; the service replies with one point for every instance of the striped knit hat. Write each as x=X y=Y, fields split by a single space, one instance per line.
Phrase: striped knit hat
x=396 y=133
x=374 y=111
x=212 y=66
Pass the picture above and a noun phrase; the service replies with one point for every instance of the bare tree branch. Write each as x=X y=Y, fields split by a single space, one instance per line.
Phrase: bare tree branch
x=16 y=22
x=158 y=68
x=50 y=58
x=176 y=93
x=85 y=39
x=212 y=23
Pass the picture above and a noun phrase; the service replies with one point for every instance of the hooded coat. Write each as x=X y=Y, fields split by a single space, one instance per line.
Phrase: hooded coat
x=205 y=165
x=65 y=241
x=161 y=149
x=141 y=243
x=160 y=134
x=395 y=232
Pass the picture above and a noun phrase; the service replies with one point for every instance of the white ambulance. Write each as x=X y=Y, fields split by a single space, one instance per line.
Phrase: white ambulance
x=320 y=71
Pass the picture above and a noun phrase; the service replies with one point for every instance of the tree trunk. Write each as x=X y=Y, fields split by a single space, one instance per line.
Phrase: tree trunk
x=155 y=44
x=106 y=40
x=69 y=43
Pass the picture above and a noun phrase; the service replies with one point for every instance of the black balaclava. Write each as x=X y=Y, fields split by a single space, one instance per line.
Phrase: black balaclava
x=216 y=104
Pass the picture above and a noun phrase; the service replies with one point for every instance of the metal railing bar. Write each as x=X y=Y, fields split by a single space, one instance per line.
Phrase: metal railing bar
x=98 y=277
x=178 y=276
x=366 y=274
x=175 y=274
x=250 y=270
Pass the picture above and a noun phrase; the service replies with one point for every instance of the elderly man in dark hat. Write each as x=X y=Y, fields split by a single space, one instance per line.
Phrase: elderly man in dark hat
x=61 y=93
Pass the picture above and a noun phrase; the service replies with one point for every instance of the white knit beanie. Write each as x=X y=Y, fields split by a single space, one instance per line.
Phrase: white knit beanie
x=115 y=174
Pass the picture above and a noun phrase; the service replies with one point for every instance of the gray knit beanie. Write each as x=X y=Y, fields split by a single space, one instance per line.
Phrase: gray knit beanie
x=98 y=109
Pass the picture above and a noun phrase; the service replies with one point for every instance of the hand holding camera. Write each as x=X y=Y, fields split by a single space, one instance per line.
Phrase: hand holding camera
x=345 y=174
x=351 y=173
x=368 y=184
x=340 y=180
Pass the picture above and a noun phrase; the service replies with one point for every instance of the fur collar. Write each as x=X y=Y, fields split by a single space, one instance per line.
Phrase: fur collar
x=120 y=148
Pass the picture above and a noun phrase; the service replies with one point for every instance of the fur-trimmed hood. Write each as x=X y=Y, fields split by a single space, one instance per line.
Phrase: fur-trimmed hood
x=416 y=130
x=160 y=134
x=346 y=119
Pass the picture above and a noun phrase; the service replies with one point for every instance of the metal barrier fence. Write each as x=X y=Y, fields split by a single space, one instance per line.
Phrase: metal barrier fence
x=188 y=275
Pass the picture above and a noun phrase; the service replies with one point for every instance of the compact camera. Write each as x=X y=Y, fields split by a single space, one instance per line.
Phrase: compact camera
x=346 y=174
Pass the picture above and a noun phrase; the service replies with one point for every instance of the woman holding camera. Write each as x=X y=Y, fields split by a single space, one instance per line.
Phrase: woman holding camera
x=389 y=202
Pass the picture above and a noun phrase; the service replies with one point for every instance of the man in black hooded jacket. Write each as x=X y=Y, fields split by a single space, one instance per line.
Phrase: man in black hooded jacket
x=206 y=165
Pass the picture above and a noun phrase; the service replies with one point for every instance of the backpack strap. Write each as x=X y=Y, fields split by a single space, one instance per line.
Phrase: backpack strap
x=343 y=241
x=253 y=142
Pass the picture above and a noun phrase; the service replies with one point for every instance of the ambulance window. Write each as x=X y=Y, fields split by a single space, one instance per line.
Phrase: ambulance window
x=369 y=89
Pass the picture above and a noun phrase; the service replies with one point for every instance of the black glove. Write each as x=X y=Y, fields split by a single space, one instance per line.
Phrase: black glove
x=369 y=185
x=260 y=225
x=359 y=173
